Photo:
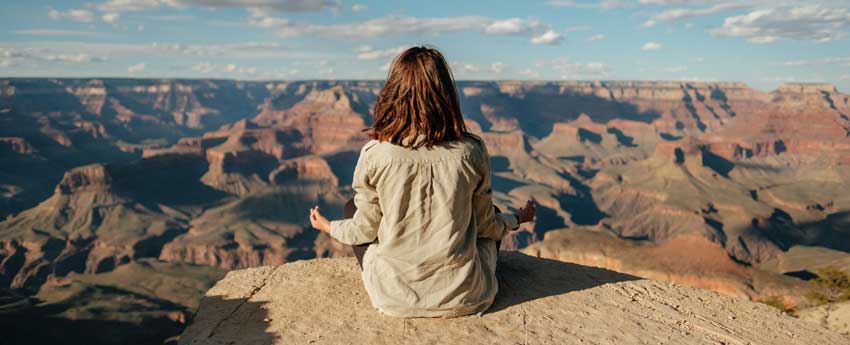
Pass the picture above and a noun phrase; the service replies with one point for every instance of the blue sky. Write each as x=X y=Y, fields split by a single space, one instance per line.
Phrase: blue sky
x=761 y=42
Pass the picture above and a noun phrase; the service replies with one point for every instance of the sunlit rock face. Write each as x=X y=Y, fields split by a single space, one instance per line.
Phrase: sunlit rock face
x=294 y=303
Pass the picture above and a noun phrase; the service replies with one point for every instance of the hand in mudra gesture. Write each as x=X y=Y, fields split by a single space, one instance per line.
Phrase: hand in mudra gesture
x=527 y=213
x=319 y=221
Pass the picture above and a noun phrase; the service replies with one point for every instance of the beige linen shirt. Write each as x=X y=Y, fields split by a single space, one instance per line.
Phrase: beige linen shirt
x=430 y=214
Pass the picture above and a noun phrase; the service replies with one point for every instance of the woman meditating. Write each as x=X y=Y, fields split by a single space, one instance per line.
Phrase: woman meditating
x=424 y=207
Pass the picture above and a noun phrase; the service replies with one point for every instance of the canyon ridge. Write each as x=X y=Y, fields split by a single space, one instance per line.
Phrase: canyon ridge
x=123 y=200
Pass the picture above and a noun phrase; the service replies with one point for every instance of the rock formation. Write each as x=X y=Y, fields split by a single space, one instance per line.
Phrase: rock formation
x=539 y=302
x=714 y=185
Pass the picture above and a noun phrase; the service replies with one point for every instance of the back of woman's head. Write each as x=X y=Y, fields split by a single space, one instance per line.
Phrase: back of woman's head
x=419 y=98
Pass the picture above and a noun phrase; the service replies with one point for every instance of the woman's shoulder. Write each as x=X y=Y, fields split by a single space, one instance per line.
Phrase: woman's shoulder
x=473 y=137
x=369 y=145
x=475 y=143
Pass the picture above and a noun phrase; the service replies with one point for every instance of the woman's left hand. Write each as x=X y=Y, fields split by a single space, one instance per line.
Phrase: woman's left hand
x=319 y=221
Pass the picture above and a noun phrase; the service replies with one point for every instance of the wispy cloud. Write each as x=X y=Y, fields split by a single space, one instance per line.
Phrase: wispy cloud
x=807 y=22
x=379 y=27
x=464 y=69
x=595 y=38
x=549 y=37
x=537 y=32
x=370 y=53
x=824 y=61
x=246 y=50
x=684 y=13
x=77 y=15
x=136 y=68
x=601 y=4
x=676 y=69
x=79 y=58
x=258 y=5
x=567 y=69
x=54 y=32
x=650 y=46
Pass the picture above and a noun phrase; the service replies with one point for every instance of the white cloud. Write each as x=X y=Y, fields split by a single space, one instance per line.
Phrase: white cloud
x=379 y=27
x=466 y=69
x=118 y=6
x=507 y=27
x=203 y=67
x=595 y=38
x=649 y=23
x=462 y=68
x=52 y=32
x=136 y=68
x=260 y=6
x=576 y=70
x=268 y=22
x=171 y=18
x=806 y=22
x=210 y=68
x=77 y=15
x=246 y=50
x=359 y=7
x=398 y=25
x=602 y=4
x=549 y=37
x=684 y=13
x=673 y=2
x=370 y=53
x=824 y=61
x=497 y=67
x=111 y=17
x=79 y=58
x=649 y=46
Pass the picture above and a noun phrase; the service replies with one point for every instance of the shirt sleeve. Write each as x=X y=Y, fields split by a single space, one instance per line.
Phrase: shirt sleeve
x=489 y=223
x=363 y=227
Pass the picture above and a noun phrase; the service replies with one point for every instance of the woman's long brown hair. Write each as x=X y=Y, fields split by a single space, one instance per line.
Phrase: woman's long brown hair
x=418 y=98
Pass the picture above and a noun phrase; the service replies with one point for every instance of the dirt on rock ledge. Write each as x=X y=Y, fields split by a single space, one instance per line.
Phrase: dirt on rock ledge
x=540 y=301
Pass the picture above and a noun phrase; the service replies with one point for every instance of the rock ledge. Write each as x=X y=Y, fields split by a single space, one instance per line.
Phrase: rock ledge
x=540 y=302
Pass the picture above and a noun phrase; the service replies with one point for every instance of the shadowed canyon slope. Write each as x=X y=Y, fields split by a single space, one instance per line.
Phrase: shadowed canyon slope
x=714 y=185
x=540 y=301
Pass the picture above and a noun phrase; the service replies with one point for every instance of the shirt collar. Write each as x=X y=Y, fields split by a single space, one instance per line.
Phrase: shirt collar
x=419 y=138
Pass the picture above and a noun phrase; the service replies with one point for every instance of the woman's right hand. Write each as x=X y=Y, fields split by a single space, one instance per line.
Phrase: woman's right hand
x=527 y=213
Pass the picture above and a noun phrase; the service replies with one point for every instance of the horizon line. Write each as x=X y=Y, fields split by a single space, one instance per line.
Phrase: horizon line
x=808 y=83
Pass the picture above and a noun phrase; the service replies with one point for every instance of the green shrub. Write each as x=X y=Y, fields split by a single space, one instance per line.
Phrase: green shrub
x=832 y=285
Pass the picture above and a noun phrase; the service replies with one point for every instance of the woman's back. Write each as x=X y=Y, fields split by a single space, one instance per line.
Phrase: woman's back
x=423 y=199
x=435 y=251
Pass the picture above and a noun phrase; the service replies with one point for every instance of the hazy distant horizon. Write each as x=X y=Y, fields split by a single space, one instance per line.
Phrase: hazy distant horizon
x=456 y=80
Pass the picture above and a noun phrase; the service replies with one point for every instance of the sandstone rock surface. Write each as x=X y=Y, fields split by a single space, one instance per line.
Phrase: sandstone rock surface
x=540 y=302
